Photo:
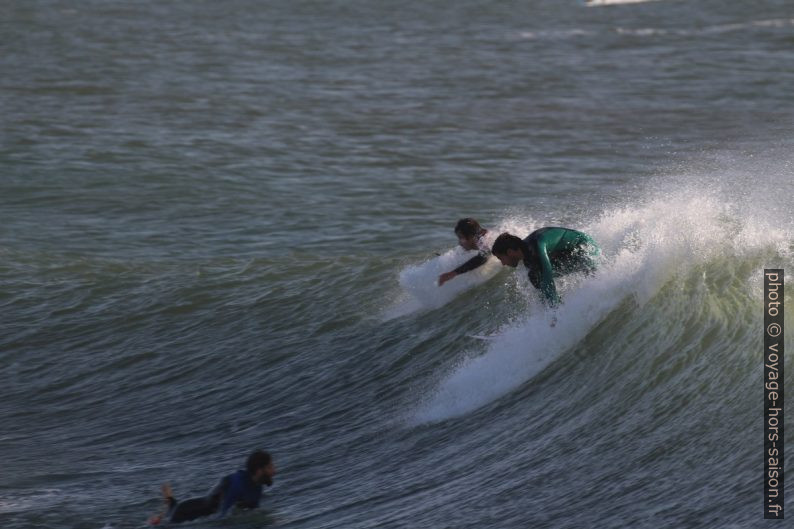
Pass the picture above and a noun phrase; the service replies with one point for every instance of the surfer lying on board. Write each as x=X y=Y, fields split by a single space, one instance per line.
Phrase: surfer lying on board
x=548 y=253
x=470 y=237
x=241 y=489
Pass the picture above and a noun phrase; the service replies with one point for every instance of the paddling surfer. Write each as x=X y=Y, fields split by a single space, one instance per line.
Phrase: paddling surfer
x=470 y=237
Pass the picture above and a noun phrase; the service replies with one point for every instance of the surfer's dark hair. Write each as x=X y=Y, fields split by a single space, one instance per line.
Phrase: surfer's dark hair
x=468 y=227
x=257 y=460
x=505 y=242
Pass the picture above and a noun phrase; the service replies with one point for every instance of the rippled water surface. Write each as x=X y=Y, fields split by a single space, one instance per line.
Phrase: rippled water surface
x=221 y=224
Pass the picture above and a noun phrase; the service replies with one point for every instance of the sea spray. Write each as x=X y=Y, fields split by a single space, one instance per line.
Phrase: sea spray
x=644 y=247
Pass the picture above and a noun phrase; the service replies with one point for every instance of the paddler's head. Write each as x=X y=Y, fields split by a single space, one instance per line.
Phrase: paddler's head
x=469 y=232
x=261 y=468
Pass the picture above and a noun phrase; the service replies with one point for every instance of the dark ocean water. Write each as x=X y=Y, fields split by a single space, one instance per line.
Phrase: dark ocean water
x=221 y=223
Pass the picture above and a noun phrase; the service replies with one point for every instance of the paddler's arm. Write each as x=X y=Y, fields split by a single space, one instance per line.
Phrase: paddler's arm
x=475 y=262
x=231 y=494
x=229 y=499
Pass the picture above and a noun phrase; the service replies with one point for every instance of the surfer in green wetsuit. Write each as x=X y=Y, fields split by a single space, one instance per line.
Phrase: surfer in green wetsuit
x=470 y=237
x=548 y=253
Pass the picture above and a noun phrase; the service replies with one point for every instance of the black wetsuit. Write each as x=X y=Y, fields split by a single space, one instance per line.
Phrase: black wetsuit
x=235 y=489
x=475 y=262
x=551 y=252
x=483 y=253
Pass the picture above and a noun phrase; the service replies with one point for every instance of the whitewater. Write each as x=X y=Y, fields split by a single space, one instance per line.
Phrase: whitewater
x=677 y=239
x=222 y=226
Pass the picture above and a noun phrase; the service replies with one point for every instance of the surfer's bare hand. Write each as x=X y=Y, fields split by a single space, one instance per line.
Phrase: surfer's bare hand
x=443 y=278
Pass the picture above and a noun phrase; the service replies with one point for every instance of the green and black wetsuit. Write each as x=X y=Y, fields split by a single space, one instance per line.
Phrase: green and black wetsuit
x=552 y=252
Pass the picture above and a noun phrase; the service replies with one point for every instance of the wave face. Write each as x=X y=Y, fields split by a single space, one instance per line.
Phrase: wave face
x=658 y=252
x=221 y=226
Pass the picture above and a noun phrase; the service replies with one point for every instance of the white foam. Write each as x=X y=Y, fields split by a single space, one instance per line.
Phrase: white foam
x=521 y=350
x=571 y=33
x=643 y=247
x=596 y=3
x=29 y=500
x=707 y=30
x=556 y=33
x=419 y=282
